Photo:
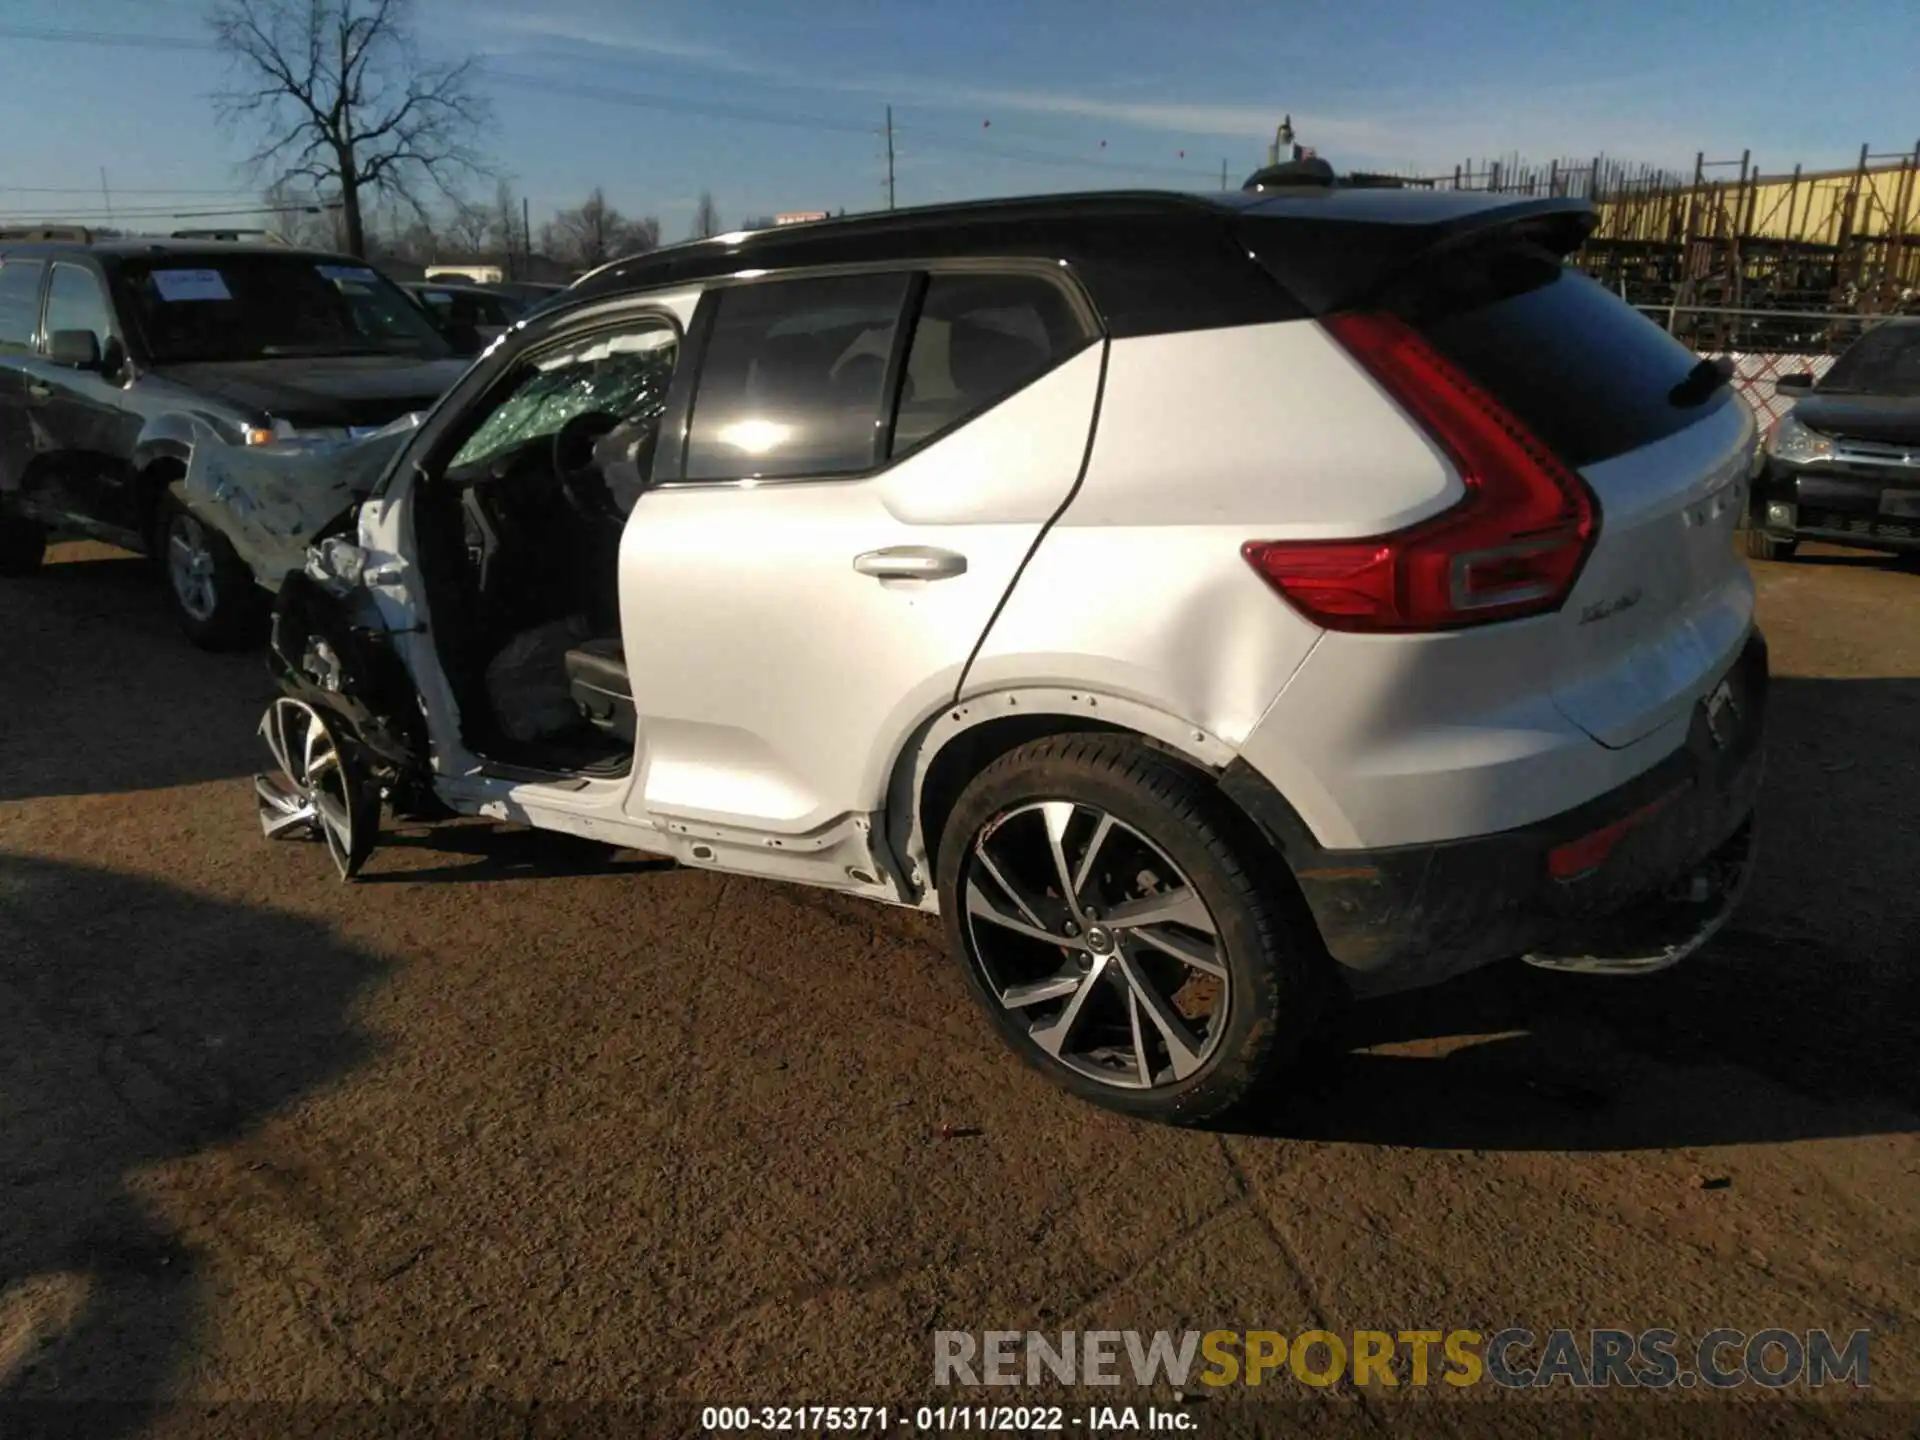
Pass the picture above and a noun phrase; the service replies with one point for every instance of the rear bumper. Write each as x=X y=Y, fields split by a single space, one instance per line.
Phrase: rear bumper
x=1845 y=504
x=1411 y=915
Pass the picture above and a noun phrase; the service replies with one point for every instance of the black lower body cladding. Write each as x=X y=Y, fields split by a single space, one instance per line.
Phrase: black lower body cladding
x=1395 y=919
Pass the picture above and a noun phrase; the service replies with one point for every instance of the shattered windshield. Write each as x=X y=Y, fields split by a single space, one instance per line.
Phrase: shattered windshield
x=238 y=306
x=624 y=375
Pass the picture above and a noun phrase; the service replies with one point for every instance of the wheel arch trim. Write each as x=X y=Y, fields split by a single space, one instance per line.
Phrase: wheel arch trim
x=1044 y=709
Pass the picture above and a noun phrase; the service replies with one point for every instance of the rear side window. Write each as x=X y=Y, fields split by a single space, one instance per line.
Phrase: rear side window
x=794 y=378
x=1581 y=368
x=979 y=338
x=19 y=302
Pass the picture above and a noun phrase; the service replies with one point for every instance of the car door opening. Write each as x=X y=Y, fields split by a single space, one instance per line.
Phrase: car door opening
x=520 y=534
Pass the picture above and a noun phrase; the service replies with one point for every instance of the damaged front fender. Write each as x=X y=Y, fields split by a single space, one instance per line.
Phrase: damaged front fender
x=273 y=501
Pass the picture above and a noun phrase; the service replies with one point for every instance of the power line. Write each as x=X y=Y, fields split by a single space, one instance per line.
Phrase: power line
x=672 y=103
x=118 y=39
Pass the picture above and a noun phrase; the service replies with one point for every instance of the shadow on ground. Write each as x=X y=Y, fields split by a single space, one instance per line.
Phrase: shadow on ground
x=1802 y=1019
x=139 y=1025
x=104 y=695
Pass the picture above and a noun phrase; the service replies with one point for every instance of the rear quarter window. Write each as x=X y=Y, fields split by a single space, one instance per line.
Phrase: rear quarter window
x=1581 y=368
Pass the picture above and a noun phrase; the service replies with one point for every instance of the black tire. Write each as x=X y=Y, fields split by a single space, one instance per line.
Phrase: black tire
x=23 y=545
x=1762 y=546
x=1279 y=978
x=237 y=615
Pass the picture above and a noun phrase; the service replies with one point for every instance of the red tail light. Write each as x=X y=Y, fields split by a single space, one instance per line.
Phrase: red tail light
x=1514 y=546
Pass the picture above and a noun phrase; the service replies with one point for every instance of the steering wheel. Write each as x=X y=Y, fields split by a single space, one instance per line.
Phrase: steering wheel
x=581 y=483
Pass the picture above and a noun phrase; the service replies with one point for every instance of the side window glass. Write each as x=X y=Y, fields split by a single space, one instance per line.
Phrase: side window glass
x=75 y=302
x=979 y=338
x=794 y=379
x=606 y=390
x=19 y=302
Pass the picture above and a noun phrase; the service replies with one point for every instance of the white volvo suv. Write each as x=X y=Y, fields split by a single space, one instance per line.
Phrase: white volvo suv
x=1208 y=605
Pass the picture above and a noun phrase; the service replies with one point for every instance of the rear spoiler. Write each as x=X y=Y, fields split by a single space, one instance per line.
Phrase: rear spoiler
x=1331 y=262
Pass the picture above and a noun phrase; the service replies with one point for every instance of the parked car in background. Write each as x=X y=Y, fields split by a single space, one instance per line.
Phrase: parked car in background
x=471 y=317
x=114 y=356
x=1844 y=463
x=1205 y=604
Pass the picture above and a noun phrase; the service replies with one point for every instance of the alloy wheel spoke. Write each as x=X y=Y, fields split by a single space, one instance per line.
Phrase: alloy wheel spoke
x=1058 y=815
x=978 y=904
x=1170 y=907
x=1052 y=1037
x=1037 y=910
x=1085 y=870
x=1182 y=1048
x=1187 y=952
x=274 y=729
x=1139 y=1040
x=1038 y=992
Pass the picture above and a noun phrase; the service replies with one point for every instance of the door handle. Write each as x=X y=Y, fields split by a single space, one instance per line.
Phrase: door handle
x=911 y=562
x=39 y=391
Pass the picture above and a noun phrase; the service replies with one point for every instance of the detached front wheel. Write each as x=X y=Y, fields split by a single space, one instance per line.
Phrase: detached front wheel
x=209 y=588
x=1126 y=929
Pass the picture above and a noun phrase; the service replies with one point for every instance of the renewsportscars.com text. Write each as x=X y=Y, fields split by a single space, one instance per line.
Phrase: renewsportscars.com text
x=1514 y=1358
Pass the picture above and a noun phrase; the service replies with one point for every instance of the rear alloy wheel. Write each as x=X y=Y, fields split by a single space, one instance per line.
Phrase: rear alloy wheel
x=322 y=791
x=23 y=545
x=1120 y=923
x=212 y=592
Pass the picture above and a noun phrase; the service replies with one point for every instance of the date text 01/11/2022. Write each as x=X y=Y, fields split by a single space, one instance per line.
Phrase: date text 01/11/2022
x=944 y=1419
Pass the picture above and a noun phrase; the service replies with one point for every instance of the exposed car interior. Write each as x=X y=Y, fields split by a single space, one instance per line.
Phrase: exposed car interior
x=520 y=543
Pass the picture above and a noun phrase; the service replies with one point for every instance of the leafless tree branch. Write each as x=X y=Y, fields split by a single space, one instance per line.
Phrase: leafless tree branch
x=341 y=97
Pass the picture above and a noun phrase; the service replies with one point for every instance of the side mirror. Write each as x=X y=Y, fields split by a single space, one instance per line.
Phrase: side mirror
x=1799 y=380
x=75 y=349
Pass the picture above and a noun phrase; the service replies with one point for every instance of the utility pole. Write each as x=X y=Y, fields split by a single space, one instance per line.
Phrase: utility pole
x=890 y=157
x=106 y=195
x=526 y=236
x=1223 y=173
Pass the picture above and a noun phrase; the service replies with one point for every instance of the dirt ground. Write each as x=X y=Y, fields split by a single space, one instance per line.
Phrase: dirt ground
x=515 y=1119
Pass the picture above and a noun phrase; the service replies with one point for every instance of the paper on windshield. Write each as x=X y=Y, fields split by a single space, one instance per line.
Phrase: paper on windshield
x=271 y=500
x=179 y=285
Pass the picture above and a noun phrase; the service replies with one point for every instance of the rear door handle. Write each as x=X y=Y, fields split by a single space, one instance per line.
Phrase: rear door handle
x=911 y=562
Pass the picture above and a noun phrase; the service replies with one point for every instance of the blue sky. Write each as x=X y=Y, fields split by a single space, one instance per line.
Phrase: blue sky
x=996 y=96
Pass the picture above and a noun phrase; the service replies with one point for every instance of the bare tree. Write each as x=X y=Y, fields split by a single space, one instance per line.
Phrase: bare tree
x=345 y=103
x=469 y=226
x=596 y=232
x=706 y=217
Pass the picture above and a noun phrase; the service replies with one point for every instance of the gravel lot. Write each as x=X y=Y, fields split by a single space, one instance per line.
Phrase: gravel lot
x=519 y=1119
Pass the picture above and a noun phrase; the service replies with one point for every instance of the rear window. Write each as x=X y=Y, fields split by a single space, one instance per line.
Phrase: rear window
x=1581 y=368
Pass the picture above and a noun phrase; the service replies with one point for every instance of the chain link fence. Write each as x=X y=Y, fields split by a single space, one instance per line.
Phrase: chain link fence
x=1764 y=345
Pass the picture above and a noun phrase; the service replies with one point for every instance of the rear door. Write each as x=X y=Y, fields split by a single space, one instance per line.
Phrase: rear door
x=868 y=461
x=1663 y=602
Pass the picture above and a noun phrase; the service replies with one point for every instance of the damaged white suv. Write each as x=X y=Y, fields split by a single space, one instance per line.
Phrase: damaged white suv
x=1207 y=605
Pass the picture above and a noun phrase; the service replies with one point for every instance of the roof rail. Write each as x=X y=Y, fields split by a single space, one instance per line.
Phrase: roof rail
x=272 y=237
x=75 y=234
